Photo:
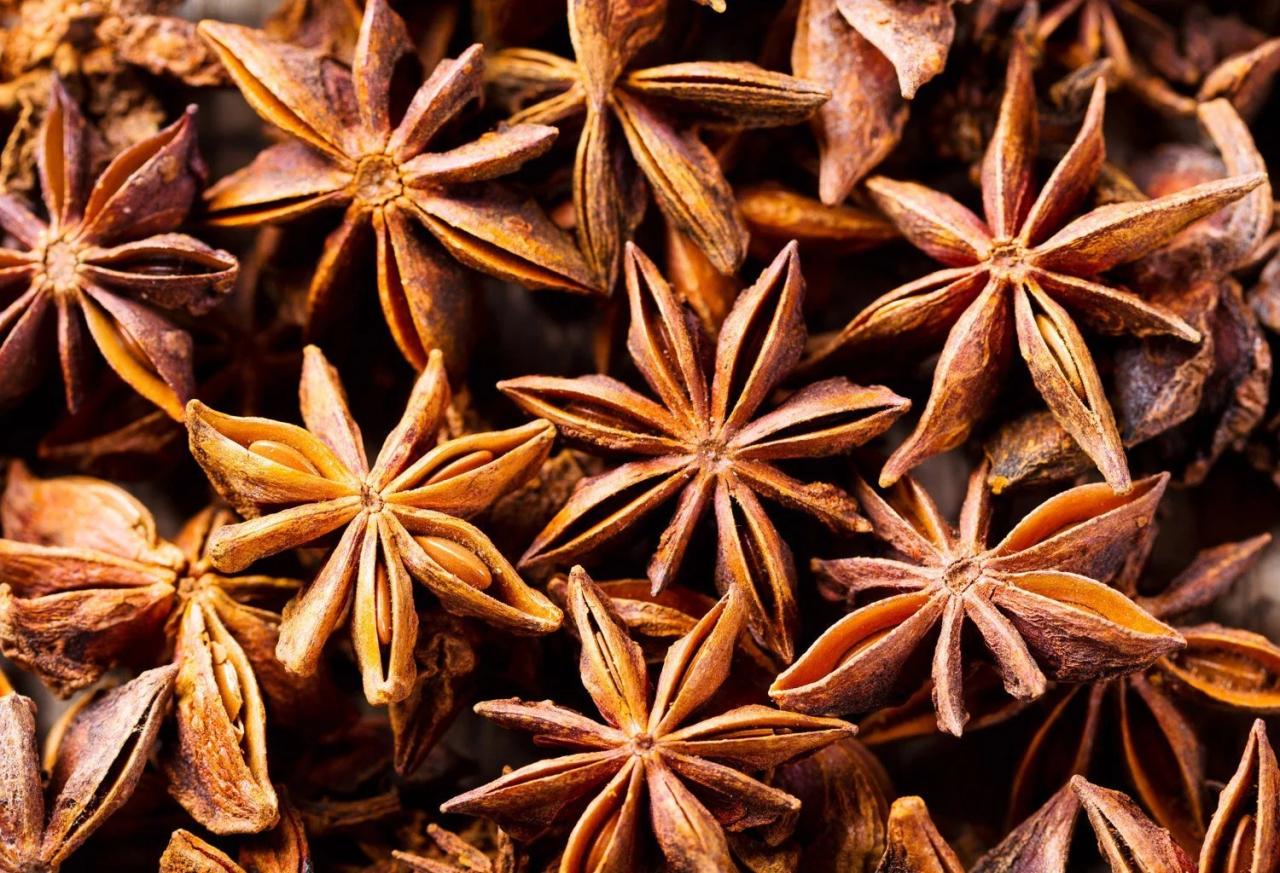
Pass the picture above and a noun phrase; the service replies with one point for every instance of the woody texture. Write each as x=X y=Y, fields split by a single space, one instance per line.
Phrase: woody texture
x=639 y=436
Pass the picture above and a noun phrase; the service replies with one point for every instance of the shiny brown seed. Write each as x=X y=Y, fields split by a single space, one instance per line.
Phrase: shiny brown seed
x=457 y=560
x=284 y=455
x=458 y=466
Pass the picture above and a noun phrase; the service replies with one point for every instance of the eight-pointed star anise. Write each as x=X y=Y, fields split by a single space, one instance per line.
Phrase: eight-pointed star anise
x=93 y=766
x=399 y=518
x=1034 y=600
x=1024 y=273
x=86 y=583
x=1161 y=749
x=647 y=753
x=655 y=108
x=361 y=139
x=107 y=259
x=703 y=440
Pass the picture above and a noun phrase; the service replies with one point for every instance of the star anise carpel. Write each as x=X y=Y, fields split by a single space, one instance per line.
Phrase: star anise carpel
x=87 y=584
x=1034 y=598
x=1022 y=277
x=650 y=751
x=1244 y=834
x=1127 y=840
x=1141 y=51
x=1162 y=751
x=93 y=769
x=647 y=118
x=106 y=262
x=396 y=520
x=704 y=442
x=355 y=142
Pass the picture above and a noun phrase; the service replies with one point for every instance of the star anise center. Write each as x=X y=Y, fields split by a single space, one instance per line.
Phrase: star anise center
x=1007 y=257
x=371 y=499
x=712 y=453
x=641 y=744
x=61 y=259
x=959 y=575
x=194 y=581
x=377 y=180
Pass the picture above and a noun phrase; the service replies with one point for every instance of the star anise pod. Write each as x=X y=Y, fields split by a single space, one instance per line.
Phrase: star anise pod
x=399 y=520
x=106 y=259
x=94 y=765
x=913 y=842
x=1034 y=599
x=1184 y=405
x=1128 y=841
x=451 y=853
x=1244 y=835
x=1144 y=53
x=656 y=110
x=844 y=806
x=283 y=849
x=873 y=55
x=1023 y=273
x=356 y=142
x=648 y=752
x=107 y=52
x=1162 y=751
x=86 y=583
x=703 y=443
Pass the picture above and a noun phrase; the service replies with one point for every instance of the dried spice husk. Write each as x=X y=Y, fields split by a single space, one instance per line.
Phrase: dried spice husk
x=646 y=118
x=93 y=768
x=452 y=853
x=1145 y=53
x=913 y=842
x=353 y=144
x=1162 y=752
x=1244 y=836
x=1189 y=404
x=283 y=849
x=446 y=659
x=873 y=57
x=1034 y=598
x=648 y=752
x=106 y=263
x=86 y=583
x=1020 y=278
x=1127 y=839
x=844 y=794
x=395 y=521
x=704 y=443
x=110 y=54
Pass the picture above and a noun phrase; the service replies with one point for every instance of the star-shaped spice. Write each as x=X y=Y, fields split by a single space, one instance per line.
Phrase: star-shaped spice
x=87 y=584
x=873 y=55
x=702 y=442
x=1141 y=50
x=397 y=520
x=1128 y=841
x=1024 y=273
x=649 y=115
x=1033 y=599
x=106 y=260
x=1161 y=750
x=357 y=141
x=94 y=765
x=110 y=53
x=647 y=753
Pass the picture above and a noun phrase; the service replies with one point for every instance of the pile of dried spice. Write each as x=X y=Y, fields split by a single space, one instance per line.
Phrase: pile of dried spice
x=891 y=443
